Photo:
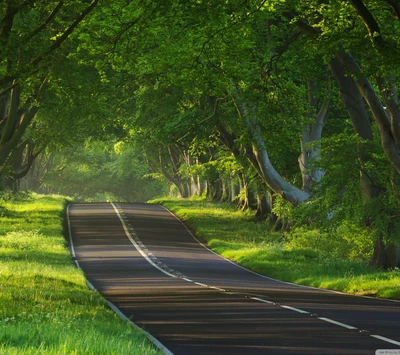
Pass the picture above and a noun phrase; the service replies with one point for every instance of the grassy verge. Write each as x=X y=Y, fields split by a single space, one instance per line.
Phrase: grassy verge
x=45 y=305
x=234 y=235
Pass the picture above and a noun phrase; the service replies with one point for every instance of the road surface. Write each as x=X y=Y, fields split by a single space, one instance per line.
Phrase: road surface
x=142 y=258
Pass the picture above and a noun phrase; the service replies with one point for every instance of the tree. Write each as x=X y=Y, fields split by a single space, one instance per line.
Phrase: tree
x=345 y=54
x=30 y=35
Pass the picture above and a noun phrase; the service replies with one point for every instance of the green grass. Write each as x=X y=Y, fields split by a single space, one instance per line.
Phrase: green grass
x=45 y=304
x=235 y=235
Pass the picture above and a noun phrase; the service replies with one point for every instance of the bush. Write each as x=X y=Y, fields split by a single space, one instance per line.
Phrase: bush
x=348 y=241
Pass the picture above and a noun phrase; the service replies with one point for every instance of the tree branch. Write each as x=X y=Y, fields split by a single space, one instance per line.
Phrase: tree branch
x=27 y=166
x=66 y=33
x=387 y=88
x=301 y=24
x=47 y=21
x=394 y=4
x=13 y=115
x=379 y=114
x=369 y=21
x=280 y=52
x=125 y=29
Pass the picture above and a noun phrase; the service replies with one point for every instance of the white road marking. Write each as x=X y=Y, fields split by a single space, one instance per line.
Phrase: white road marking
x=295 y=309
x=150 y=258
x=70 y=239
x=200 y=284
x=261 y=300
x=216 y=288
x=386 y=339
x=138 y=248
x=337 y=323
x=148 y=335
x=240 y=266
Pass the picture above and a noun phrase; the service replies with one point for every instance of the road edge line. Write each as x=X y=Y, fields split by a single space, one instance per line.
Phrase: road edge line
x=156 y=342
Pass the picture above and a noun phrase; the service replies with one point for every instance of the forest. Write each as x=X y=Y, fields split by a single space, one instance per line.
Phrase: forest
x=288 y=108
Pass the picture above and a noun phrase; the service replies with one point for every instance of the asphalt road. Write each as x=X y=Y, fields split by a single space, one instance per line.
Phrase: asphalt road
x=145 y=261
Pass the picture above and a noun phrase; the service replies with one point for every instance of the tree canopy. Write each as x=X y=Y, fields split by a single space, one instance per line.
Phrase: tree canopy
x=276 y=105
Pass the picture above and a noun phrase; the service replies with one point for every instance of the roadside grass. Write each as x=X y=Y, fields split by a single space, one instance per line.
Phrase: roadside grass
x=237 y=236
x=45 y=304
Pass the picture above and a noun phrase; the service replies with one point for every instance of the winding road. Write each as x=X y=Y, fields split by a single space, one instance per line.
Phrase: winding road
x=143 y=260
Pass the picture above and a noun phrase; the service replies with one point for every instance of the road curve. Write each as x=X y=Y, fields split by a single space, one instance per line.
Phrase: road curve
x=145 y=261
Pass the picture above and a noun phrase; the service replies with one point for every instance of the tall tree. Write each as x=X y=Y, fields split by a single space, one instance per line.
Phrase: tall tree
x=30 y=35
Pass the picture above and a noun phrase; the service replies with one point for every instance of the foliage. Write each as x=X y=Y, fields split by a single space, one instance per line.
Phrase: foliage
x=338 y=207
x=348 y=242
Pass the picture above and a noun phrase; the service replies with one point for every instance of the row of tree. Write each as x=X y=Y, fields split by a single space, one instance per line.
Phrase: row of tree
x=287 y=107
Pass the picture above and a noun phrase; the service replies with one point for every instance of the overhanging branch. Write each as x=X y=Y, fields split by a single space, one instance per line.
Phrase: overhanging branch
x=66 y=33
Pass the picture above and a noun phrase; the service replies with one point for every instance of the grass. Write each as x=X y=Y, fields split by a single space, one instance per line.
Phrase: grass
x=45 y=304
x=236 y=236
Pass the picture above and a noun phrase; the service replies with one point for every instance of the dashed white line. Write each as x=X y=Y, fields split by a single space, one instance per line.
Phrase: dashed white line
x=200 y=284
x=130 y=232
x=295 y=309
x=261 y=300
x=216 y=288
x=129 y=235
x=386 y=339
x=337 y=323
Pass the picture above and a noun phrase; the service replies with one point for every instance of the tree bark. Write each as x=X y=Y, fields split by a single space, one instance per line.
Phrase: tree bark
x=264 y=208
x=395 y=6
x=273 y=179
x=171 y=170
x=388 y=90
x=310 y=151
x=369 y=21
x=388 y=136
x=369 y=183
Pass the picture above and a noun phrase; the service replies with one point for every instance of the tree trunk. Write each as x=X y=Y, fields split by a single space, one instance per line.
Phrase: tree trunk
x=183 y=189
x=354 y=104
x=202 y=186
x=388 y=130
x=369 y=183
x=263 y=205
x=310 y=151
x=273 y=179
x=235 y=188
x=249 y=199
x=14 y=124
